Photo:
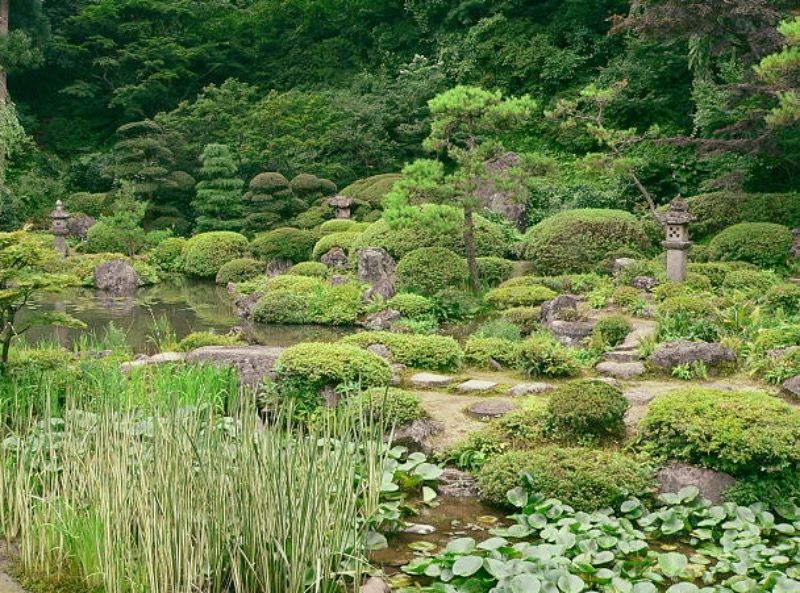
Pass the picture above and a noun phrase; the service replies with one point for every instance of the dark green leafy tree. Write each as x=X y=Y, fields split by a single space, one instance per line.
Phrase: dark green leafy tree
x=24 y=261
x=121 y=231
x=465 y=134
x=218 y=204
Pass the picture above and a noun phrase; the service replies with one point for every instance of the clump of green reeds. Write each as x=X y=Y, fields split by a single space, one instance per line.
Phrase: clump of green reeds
x=191 y=500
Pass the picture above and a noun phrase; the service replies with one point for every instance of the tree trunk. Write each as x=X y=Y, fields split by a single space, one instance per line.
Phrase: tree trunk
x=4 y=13
x=469 y=247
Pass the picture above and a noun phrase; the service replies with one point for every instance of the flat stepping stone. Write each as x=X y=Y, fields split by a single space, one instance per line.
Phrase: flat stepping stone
x=476 y=385
x=489 y=409
x=621 y=370
x=621 y=356
x=639 y=398
x=430 y=380
x=529 y=389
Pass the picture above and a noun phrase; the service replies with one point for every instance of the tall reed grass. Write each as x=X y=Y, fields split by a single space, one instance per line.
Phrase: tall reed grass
x=190 y=500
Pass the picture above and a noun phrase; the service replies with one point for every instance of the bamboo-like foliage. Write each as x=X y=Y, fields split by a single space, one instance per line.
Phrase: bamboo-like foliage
x=191 y=502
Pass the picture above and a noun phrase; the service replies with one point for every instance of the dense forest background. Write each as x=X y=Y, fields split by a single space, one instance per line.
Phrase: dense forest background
x=691 y=95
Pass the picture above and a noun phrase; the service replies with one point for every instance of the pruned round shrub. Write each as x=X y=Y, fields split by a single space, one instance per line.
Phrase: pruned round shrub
x=240 y=270
x=718 y=210
x=338 y=225
x=414 y=350
x=313 y=269
x=565 y=283
x=389 y=406
x=430 y=270
x=310 y=187
x=717 y=271
x=626 y=296
x=519 y=296
x=200 y=339
x=586 y=409
x=403 y=239
x=313 y=217
x=494 y=270
x=90 y=204
x=342 y=240
x=528 y=319
x=760 y=243
x=413 y=306
x=287 y=243
x=759 y=281
x=735 y=432
x=784 y=296
x=315 y=365
x=299 y=300
x=586 y=479
x=541 y=355
x=487 y=352
x=167 y=255
x=581 y=240
x=611 y=331
x=371 y=189
x=694 y=305
x=283 y=307
x=204 y=254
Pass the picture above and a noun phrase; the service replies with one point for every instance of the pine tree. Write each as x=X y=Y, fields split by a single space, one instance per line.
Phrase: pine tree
x=218 y=203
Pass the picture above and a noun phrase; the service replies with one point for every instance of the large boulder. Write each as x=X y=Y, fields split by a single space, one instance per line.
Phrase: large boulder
x=792 y=386
x=672 y=354
x=496 y=198
x=795 y=249
x=116 y=277
x=377 y=267
x=417 y=435
x=572 y=333
x=78 y=226
x=335 y=259
x=456 y=483
x=253 y=363
x=551 y=309
x=712 y=484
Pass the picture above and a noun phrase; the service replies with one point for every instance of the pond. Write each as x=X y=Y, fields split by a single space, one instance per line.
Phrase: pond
x=187 y=305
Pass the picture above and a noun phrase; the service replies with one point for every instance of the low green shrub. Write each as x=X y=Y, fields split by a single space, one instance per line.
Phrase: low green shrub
x=371 y=190
x=526 y=318
x=454 y=304
x=485 y=352
x=387 y=405
x=337 y=225
x=430 y=270
x=200 y=339
x=499 y=328
x=167 y=255
x=82 y=266
x=774 y=489
x=760 y=243
x=315 y=365
x=770 y=338
x=283 y=307
x=343 y=240
x=519 y=296
x=298 y=300
x=565 y=283
x=541 y=355
x=341 y=304
x=239 y=270
x=586 y=479
x=414 y=350
x=287 y=244
x=204 y=254
x=758 y=281
x=718 y=210
x=611 y=331
x=777 y=368
x=413 y=306
x=312 y=269
x=494 y=270
x=696 y=305
x=784 y=296
x=717 y=271
x=584 y=409
x=627 y=296
x=582 y=240
x=736 y=432
x=148 y=275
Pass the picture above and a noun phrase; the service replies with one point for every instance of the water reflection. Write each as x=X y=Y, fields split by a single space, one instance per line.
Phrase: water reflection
x=189 y=306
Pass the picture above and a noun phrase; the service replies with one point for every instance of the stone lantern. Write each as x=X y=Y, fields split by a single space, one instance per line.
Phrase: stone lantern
x=676 y=227
x=60 y=219
x=342 y=206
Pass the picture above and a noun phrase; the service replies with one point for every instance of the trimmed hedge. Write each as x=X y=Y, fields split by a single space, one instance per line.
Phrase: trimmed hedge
x=717 y=271
x=718 y=210
x=736 y=432
x=204 y=254
x=414 y=350
x=528 y=319
x=430 y=270
x=371 y=189
x=586 y=479
x=759 y=281
x=240 y=270
x=582 y=240
x=760 y=243
x=343 y=240
x=312 y=269
x=388 y=405
x=480 y=352
x=494 y=270
x=299 y=300
x=519 y=296
x=315 y=365
x=565 y=283
x=413 y=306
x=541 y=355
x=287 y=243
x=587 y=408
x=784 y=296
x=338 y=225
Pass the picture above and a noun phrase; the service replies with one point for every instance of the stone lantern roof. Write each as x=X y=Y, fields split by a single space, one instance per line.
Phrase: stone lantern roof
x=59 y=213
x=678 y=213
x=340 y=202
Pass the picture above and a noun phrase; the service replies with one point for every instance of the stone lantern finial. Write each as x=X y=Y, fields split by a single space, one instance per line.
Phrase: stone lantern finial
x=59 y=219
x=676 y=226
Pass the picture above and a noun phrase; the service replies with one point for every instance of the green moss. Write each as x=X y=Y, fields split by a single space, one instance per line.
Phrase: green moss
x=582 y=240
x=240 y=270
x=585 y=479
x=204 y=254
x=736 y=432
x=287 y=243
x=414 y=350
x=430 y=270
x=760 y=243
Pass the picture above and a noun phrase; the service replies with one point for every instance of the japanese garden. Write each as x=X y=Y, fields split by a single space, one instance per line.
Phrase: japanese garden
x=371 y=296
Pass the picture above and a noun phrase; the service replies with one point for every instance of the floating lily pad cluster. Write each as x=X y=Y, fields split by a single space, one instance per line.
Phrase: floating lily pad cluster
x=684 y=545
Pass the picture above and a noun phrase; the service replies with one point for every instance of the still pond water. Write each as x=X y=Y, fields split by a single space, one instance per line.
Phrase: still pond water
x=188 y=306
